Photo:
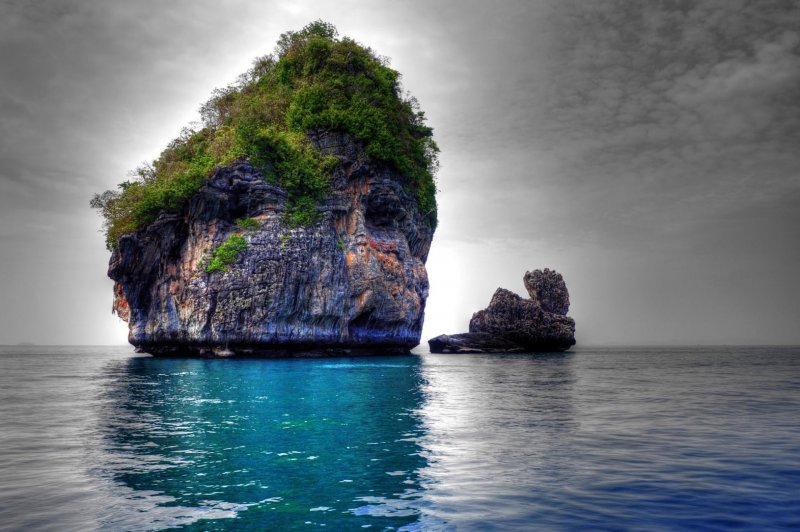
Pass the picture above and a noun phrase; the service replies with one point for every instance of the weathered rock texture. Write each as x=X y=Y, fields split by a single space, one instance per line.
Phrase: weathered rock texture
x=513 y=324
x=353 y=282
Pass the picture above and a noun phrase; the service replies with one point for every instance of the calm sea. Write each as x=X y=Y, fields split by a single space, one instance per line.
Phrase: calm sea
x=602 y=439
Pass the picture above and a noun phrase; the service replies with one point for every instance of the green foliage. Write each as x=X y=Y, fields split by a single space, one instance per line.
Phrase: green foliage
x=248 y=224
x=316 y=81
x=340 y=245
x=226 y=253
x=298 y=167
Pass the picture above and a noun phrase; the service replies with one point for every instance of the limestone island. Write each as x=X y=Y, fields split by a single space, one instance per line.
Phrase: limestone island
x=511 y=324
x=295 y=222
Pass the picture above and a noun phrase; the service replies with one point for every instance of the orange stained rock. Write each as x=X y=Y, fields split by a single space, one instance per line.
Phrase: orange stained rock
x=389 y=263
x=174 y=287
x=194 y=257
x=361 y=300
x=352 y=222
x=383 y=246
x=120 y=306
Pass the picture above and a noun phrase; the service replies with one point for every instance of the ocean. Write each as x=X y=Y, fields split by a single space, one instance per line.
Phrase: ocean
x=702 y=438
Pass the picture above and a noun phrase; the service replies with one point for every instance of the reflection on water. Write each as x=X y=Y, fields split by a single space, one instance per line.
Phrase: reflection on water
x=602 y=439
x=494 y=428
x=406 y=442
x=271 y=443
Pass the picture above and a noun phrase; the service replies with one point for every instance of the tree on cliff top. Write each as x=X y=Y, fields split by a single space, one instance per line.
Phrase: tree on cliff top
x=314 y=81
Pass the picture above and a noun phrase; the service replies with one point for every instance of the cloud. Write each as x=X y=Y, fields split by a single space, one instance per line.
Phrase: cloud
x=667 y=103
x=608 y=139
x=773 y=66
x=748 y=96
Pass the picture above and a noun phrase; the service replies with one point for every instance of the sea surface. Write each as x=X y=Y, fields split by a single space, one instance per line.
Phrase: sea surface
x=98 y=438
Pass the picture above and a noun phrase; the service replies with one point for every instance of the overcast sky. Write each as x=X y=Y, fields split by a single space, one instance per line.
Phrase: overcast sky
x=648 y=151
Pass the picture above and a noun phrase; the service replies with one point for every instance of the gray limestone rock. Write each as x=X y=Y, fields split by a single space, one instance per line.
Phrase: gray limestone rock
x=353 y=282
x=511 y=323
x=549 y=289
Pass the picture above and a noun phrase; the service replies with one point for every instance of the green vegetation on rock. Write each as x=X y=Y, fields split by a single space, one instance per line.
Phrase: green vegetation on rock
x=314 y=82
x=226 y=253
x=248 y=224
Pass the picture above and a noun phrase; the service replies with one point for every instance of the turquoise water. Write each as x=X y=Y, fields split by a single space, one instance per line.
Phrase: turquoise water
x=605 y=439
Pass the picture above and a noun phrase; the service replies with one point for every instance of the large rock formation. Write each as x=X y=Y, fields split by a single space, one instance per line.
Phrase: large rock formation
x=354 y=281
x=513 y=324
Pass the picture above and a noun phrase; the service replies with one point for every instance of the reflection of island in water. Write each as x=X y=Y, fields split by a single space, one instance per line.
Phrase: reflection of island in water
x=385 y=442
x=274 y=443
x=498 y=432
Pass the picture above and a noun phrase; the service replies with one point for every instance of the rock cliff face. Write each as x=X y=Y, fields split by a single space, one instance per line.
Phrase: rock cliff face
x=513 y=324
x=354 y=281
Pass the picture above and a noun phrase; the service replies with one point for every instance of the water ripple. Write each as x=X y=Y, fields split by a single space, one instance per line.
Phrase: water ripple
x=605 y=439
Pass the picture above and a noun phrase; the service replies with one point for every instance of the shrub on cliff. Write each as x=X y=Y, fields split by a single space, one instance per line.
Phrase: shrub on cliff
x=226 y=253
x=314 y=81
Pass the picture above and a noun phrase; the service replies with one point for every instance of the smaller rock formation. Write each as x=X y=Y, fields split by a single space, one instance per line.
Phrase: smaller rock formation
x=513 y=324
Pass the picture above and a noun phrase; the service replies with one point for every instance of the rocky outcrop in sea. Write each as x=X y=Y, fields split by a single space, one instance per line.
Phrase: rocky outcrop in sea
x=353 y=281
x=513 y=324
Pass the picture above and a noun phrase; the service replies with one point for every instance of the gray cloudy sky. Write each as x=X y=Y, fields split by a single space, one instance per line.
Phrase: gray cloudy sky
x=646 y=150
